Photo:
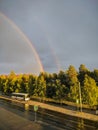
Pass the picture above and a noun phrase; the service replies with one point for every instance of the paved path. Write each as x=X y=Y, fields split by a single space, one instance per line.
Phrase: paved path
x=59 y=109
x=65 y=111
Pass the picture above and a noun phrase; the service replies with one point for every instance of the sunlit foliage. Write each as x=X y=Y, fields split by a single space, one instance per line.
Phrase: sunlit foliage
x=59 y=86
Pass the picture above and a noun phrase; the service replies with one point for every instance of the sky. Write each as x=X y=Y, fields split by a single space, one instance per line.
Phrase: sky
x=48 y=35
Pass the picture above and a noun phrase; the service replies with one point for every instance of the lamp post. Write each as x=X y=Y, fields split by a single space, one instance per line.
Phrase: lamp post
x=80 y=97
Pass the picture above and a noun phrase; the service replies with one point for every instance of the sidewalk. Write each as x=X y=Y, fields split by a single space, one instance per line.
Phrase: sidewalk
x=65 y=111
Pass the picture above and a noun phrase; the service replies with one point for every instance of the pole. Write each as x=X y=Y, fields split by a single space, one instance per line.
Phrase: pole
x=35 y=109
x=35 y=116
x=80 y=97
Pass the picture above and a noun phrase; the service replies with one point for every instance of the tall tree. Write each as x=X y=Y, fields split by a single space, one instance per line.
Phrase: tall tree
x=62 y=77
x=95 y=75
x=83 y=68
x=2 y=82
x=32 y=84
x=74 y=94
x=72 y=75
x=60 y=91
x=82 y=71
x=90 y=91
x=40 y=89
x=50 y=88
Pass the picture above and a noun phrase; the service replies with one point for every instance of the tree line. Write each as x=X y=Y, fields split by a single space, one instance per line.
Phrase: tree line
x=60 y=86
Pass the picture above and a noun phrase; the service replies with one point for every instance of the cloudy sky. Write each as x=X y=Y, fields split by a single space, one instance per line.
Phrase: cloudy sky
x=62 y=32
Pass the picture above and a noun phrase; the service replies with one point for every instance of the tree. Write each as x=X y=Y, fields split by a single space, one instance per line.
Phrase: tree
x=82 y=72
x=83 y=68
x=74 y=92
x=90 y=91
x=12 y=84
x=32 y=84
x=2 y=82
x=12 y=74
x=60 y=91
x=51 y=89
x=40 y=89
x=24 y=83
x=72 y=75
x=95 y=75
x=6 y=86
x=62 y=77
x=18 y=83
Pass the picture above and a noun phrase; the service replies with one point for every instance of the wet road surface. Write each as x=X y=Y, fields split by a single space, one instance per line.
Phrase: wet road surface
x=14 y=117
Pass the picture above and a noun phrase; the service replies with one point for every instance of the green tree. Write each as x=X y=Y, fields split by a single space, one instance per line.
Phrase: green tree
x=74 y=94
x=72 y=75
x=2 y=82
x=60 y=91
x=82 y=72
x=64 y=78
x=90 y=91
x=6 y=86
x=95 y=75
x=51 y=89
x=83 y=68
x=40 y=89
x=24 y=83
x=12 y=84
x=32 y=84
x=19 y=81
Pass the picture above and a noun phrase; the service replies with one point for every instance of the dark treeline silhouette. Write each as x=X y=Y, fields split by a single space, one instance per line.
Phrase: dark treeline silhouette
x=60 y=86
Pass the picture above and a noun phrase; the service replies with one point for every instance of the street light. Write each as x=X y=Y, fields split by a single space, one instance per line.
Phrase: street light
x=80 y=97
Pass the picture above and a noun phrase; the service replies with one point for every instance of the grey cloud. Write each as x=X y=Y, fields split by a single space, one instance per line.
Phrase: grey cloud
x=70 y=28
x=15 y=53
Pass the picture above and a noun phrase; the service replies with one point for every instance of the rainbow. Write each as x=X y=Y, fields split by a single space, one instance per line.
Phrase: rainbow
x=26 y=39
x=56 y=59
x=57 y=62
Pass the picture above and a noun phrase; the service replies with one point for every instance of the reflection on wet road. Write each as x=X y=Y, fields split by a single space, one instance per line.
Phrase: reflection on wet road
x=18 y=119
x=14 y=117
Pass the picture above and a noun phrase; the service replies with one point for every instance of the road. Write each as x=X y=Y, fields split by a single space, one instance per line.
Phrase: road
x=67 y=109
x=14 y=117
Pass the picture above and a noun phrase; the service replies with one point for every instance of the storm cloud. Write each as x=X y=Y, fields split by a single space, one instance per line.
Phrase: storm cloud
x=63 y=32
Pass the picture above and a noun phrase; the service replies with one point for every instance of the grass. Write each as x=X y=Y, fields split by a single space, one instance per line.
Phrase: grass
x=58 y=102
